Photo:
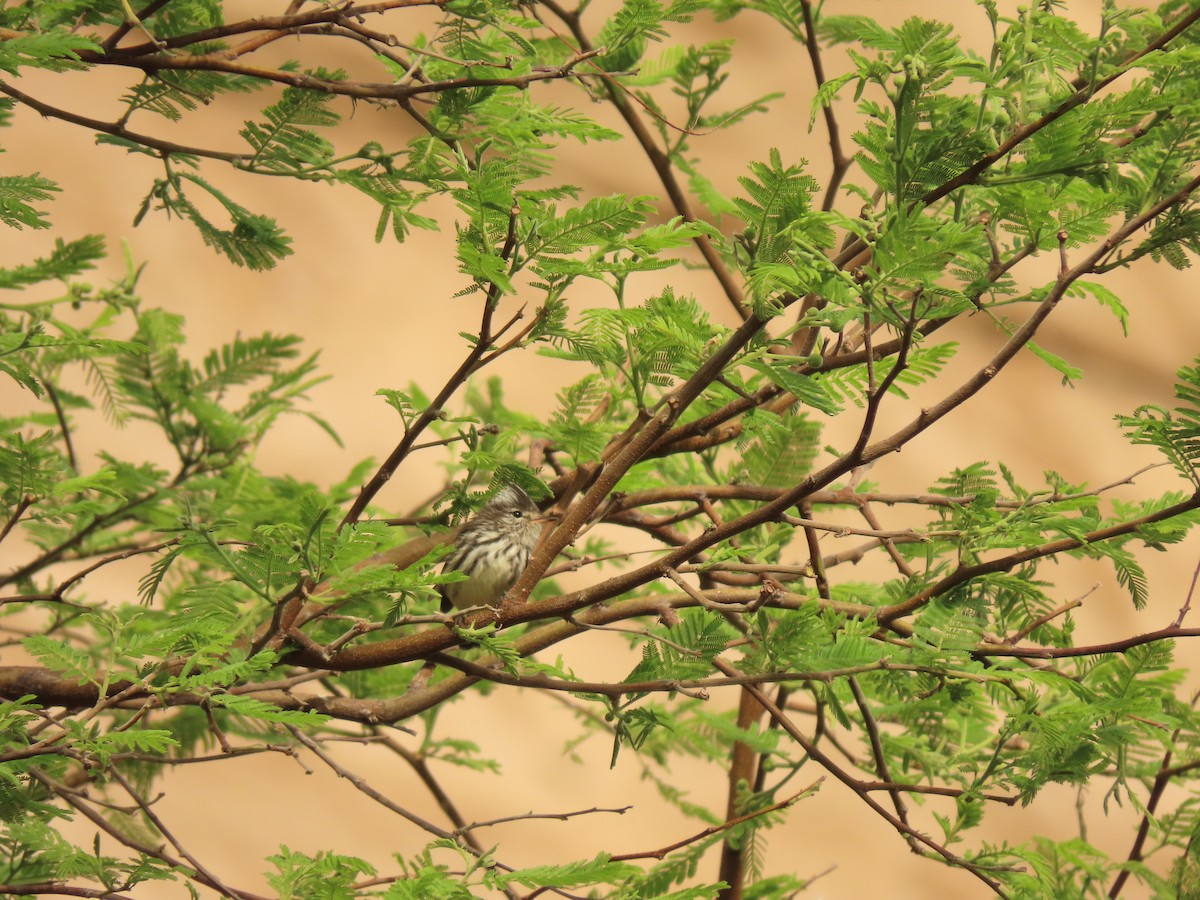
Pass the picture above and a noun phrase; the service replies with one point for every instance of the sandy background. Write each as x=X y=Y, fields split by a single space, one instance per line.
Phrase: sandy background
x=384 y=315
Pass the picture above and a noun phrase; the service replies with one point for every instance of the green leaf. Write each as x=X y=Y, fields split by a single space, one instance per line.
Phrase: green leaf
x=67 y=259
x=783 y=449
x=807 y=388
x=598 y=870
x=285 y=142
x=1069 y=372
x=258 y=709
x=56 y=50
x=253 y=241
x=61 y=657
x=325 y=875
x=1107 y=299
x=17 y=192
x=1176 y=433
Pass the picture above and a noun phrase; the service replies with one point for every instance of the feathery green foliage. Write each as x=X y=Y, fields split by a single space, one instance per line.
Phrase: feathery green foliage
x=731 y=433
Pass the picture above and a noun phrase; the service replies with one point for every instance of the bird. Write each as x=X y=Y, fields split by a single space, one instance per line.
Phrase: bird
x=492 y=550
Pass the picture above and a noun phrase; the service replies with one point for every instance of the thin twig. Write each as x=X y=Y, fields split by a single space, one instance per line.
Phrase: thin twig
x=19 y=509
x=662 y=852
x=661 y=162
x=880 y=757
x=521 y=817
x=1161 y=780
x=837 y=155
x=1187 y=602
x=364 y=787
x=74 y=800
x=209 y=876
x=855 y=785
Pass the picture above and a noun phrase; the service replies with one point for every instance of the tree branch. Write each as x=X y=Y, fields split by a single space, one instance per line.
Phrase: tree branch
x=818 y=756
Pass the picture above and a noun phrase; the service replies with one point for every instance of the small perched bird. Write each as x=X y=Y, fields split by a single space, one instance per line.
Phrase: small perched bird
x=492 y=550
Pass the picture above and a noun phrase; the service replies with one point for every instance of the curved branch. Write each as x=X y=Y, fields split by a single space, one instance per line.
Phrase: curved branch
x=838 y=157
x=328 y=14
x=827 y=763
x=963 y=574
x=661 y=163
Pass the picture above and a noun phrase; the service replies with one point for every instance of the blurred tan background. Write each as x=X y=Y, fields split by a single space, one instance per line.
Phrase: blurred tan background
x=384 y=315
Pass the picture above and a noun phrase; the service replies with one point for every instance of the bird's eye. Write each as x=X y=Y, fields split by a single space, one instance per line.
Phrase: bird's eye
x=516 y=514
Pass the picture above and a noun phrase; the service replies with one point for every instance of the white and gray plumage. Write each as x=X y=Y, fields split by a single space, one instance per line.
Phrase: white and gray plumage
x=492 y=549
